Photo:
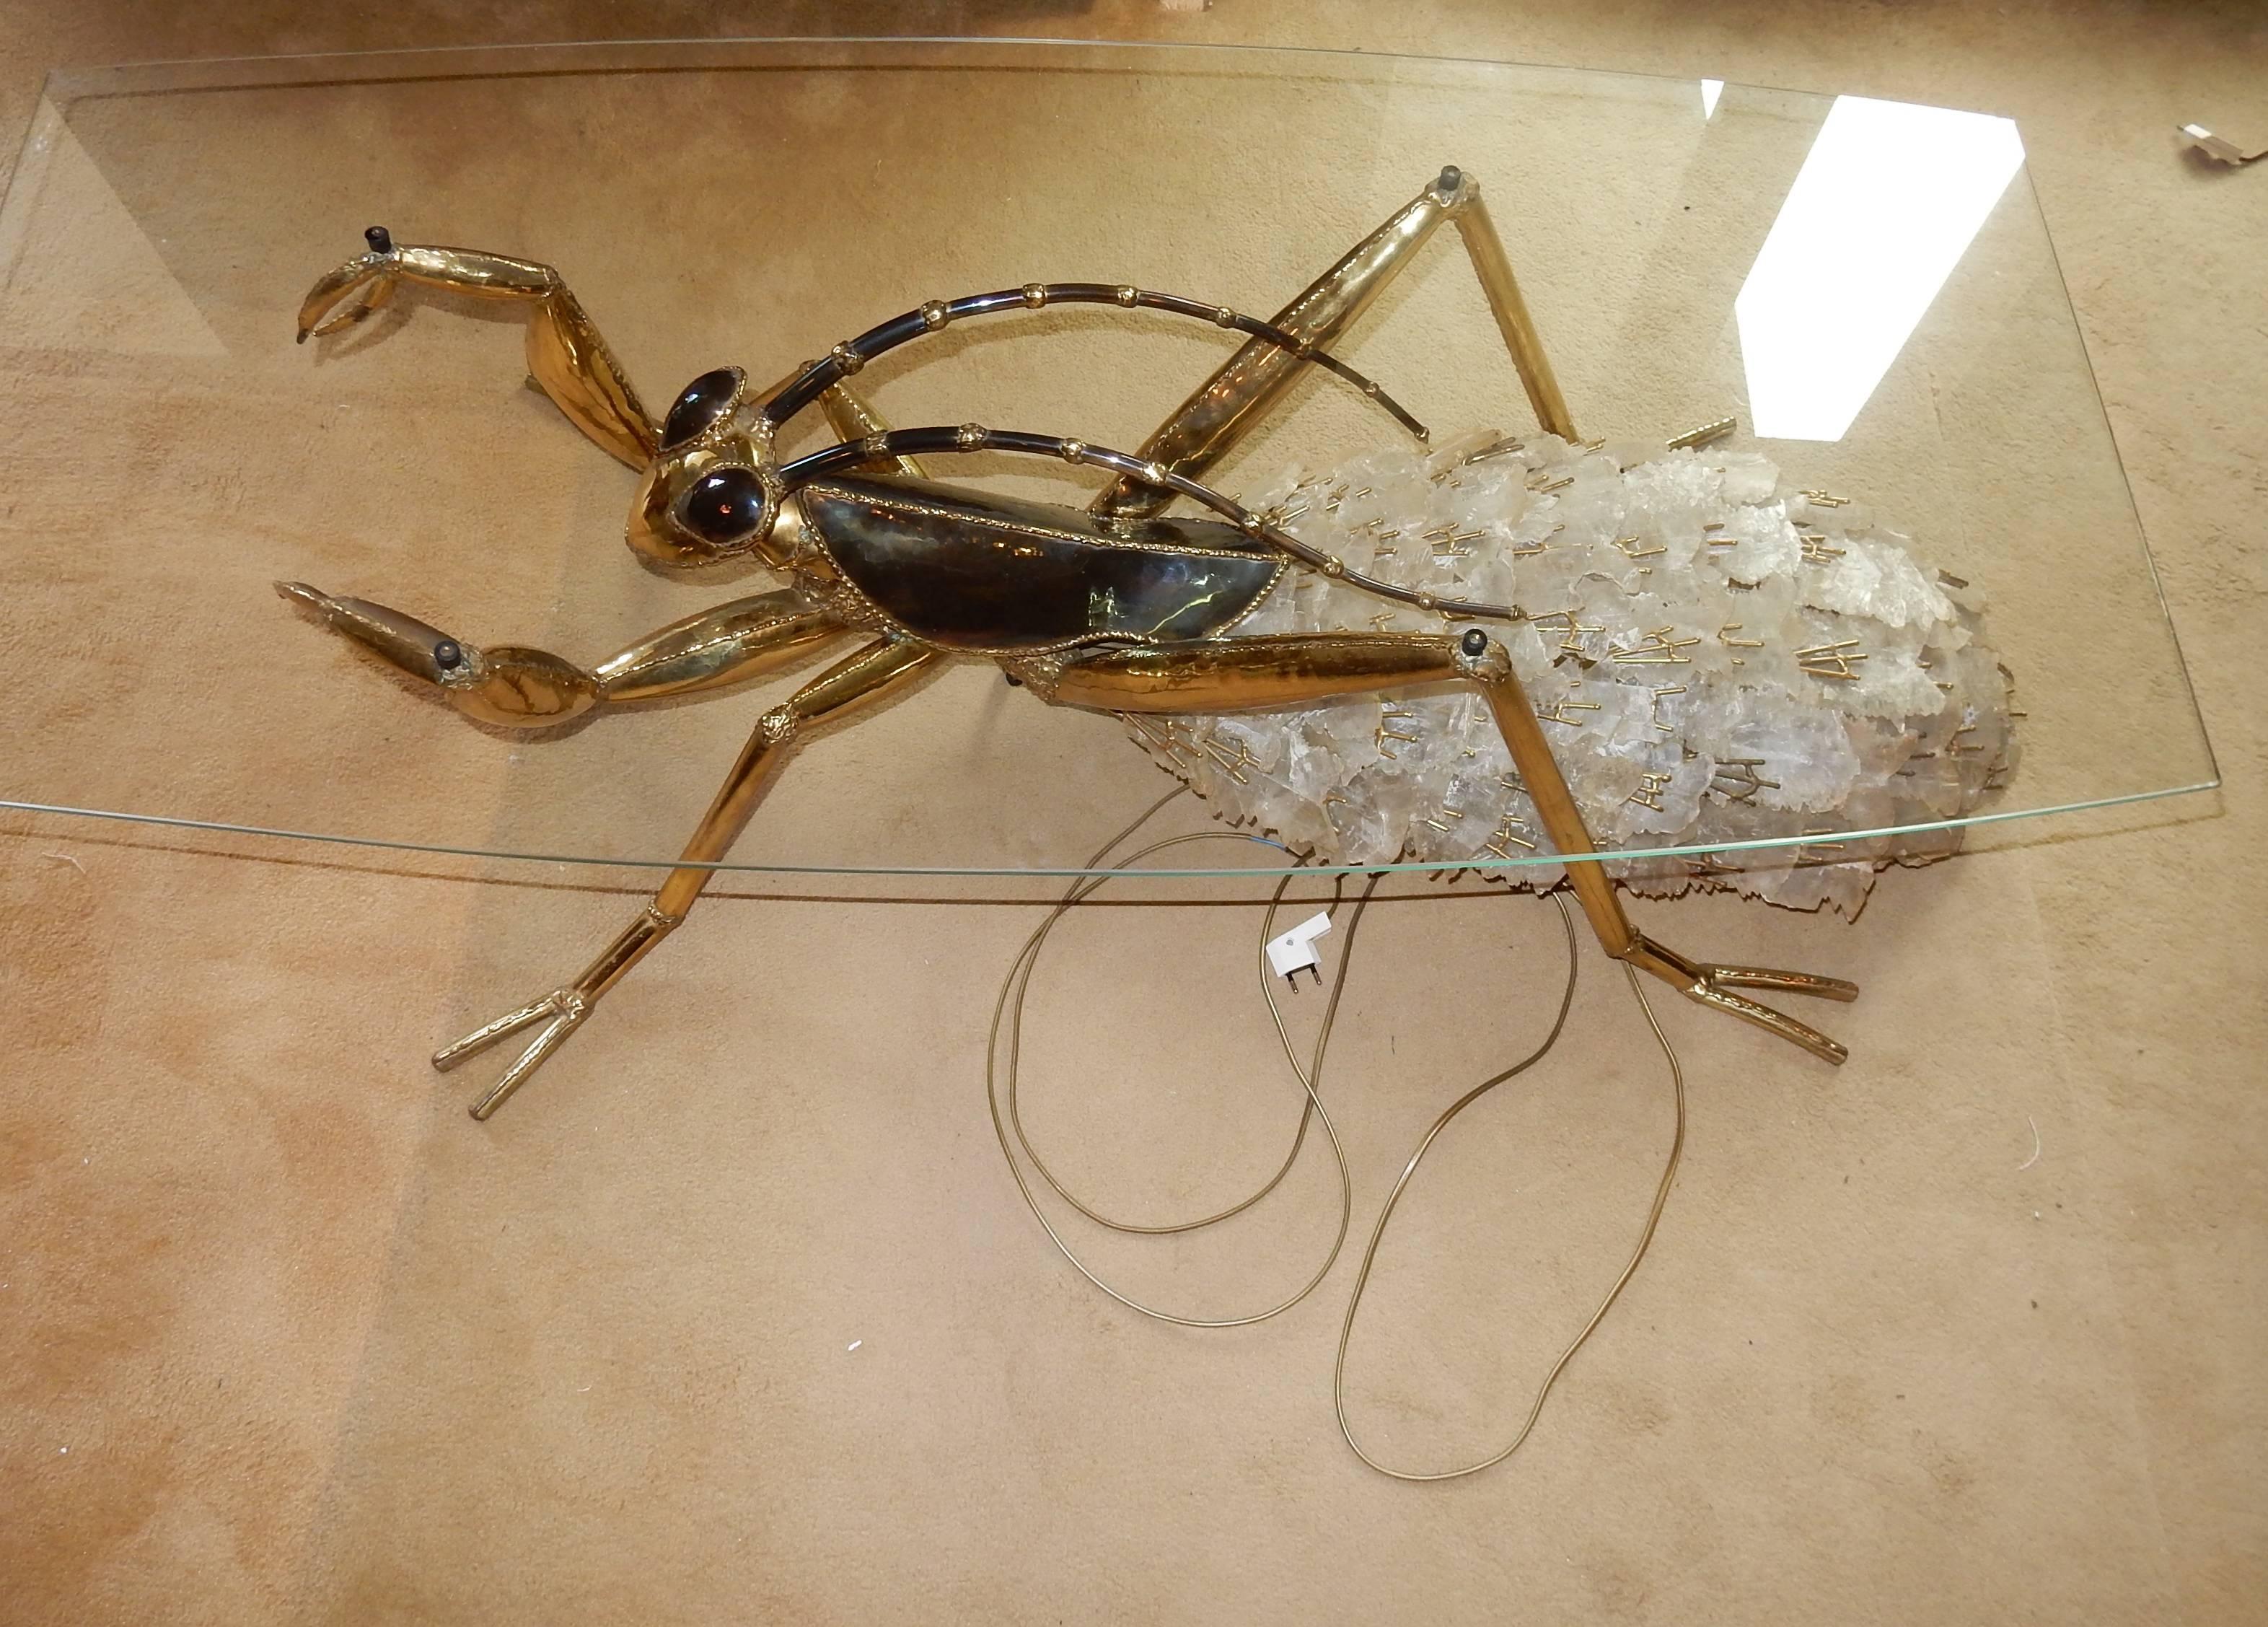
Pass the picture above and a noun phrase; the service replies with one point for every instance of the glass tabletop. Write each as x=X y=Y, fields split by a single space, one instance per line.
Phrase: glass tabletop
x=1867 y=290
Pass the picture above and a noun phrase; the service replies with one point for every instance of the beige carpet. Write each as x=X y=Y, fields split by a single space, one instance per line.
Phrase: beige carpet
x=284 y=1337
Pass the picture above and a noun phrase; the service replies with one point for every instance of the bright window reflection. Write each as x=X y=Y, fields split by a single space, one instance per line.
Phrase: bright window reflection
x=1711 y=90
x=1887 y=201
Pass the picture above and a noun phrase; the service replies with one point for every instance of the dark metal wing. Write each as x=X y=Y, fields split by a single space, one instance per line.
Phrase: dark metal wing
x=973 y=571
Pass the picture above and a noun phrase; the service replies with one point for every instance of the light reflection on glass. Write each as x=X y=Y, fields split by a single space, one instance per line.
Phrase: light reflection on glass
x=1887 y=201
x=1711 y=90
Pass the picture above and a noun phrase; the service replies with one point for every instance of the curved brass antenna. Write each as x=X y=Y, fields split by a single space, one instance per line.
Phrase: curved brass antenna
x=929 y=317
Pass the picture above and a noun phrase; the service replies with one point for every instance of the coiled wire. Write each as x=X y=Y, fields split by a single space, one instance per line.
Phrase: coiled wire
x=1001 y=1075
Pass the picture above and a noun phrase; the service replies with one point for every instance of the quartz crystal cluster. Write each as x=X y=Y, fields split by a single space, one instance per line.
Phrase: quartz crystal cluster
x=1716 y=659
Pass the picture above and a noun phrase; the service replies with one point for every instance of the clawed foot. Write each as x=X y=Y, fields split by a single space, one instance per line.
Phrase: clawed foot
x=561 y=1012
x=511 y=686
x=373 y=276
x=405 y=641
x=1713 y=986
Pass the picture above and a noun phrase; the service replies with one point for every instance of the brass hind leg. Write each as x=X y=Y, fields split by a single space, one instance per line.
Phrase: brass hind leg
x=520 y=688
x=1243 y=674
x=1236 y=399
x=855 y=682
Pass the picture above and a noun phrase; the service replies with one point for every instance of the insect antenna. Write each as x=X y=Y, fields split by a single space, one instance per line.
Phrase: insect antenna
x=853 y=354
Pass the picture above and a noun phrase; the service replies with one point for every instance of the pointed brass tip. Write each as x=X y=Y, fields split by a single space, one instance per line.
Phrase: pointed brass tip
x=300 y=594
x=499 y=1093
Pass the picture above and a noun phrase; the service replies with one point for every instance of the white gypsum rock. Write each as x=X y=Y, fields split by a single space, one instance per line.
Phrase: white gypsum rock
x=1716 y=660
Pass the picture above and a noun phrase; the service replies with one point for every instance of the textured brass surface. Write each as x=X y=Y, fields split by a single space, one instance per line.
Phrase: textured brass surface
x=1292 y=669
x=1114 y=610
x=712 y=647
x=859 y=680
x=1494 y=269
x=1223 y=408
x=1246 y=674
x=990 y=575
x=651 y=531
x=1703 y=434
x=565 y=352
x=850 y=416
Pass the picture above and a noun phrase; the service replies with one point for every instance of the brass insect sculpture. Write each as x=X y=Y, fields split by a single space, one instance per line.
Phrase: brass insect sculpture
x=1116 y=608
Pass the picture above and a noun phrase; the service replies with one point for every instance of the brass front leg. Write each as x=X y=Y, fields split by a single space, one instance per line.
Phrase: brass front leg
x=515 y=687
x=715 y=647
x=566 y=355
x=1233 y=674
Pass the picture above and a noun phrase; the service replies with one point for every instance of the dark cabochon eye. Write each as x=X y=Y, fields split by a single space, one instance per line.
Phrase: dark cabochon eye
x=724 y=507
x=701 y=403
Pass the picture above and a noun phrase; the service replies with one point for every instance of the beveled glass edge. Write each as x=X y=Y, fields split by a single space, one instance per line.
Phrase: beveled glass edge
x=2126 y=485
x=1431 y=865
x=284 y=69
x=313 y=69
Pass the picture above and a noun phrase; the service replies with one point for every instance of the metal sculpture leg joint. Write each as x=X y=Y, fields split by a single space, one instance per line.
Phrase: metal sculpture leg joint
x=519 y=685
x=779 y=725
x=851 y=684
x=512 y=685
x=1229 y=404
x=1594 y=889
x=1285 y=669
x=1712 y=986
x=566 y=354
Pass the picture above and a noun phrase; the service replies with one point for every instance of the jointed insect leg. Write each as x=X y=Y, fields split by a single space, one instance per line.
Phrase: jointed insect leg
x=855 y=681
x=565 y=354
x=1236 y=399
x=1233 y=674
x=520 y=688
